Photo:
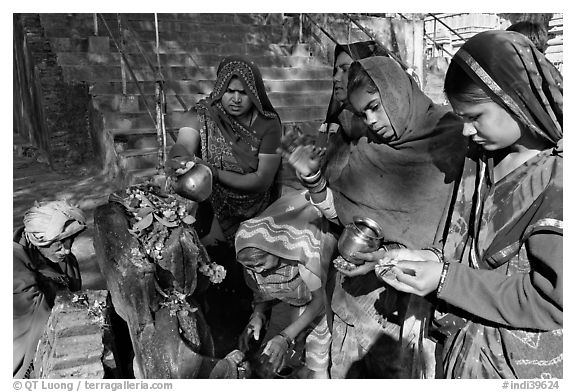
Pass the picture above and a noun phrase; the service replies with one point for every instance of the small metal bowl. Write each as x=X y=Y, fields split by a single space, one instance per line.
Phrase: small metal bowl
x=195 y=184
x=362 y=235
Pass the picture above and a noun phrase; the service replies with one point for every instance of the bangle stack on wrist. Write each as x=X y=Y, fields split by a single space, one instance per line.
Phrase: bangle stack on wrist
x=315 y=183
x=437 y=252
x=445 y=266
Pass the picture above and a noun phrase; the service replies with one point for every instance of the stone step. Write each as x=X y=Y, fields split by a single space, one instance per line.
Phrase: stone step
x=147 y=151
x=137 y=60
x=78 y=341
x=185 y=32
x=135 y=176
x=204 y=87
x=82 y=44
x=70 y=19
x=141 y=164
x=196 y=18
x=109 y=73
x=137 y=103
x=117 y=120
x=135 y=138
x=125 y=134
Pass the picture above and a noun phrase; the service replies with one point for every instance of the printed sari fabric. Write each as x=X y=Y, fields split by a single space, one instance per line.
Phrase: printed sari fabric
x=231 y=146
x=404 y=185
x=295 y=231
x=502 y=297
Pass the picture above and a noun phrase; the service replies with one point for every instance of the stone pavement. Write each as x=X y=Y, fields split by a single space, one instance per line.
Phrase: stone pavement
x=33 y=180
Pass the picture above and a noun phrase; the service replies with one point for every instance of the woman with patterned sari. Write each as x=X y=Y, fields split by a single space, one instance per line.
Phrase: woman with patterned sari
x=235 y=131
x=498 y=287
x=297 y=234
x=286 y=252
x=400 y=174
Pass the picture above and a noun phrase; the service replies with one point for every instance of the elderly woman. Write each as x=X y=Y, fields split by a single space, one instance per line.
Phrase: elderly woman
x=286 y=252
x=42 y=265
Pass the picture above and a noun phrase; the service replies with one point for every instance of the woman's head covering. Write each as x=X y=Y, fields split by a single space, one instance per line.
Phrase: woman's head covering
x=246 y=152
x=337 y=117
x=404 y=185
x=356 y=50
x=518 y=77
x=47 y=222
x=290 y=228
x=408 y=108
x=251 y=79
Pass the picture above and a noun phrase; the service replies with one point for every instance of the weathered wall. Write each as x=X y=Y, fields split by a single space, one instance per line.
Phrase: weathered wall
x=65 y=105
x=403 y=37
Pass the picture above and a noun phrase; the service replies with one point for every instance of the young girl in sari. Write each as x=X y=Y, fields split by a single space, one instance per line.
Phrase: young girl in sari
x=310 y=231
x=400 y=174
x=498 y=285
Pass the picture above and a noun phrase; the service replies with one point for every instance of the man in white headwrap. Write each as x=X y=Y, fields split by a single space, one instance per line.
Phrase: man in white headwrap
x=42 y=265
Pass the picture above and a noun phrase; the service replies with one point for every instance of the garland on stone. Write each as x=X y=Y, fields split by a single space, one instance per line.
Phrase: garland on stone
x=153 y=215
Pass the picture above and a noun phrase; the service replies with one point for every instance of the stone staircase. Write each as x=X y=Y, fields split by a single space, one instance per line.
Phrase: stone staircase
x=191 y=46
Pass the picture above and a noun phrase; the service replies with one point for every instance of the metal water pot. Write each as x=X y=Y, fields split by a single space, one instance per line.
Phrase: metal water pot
x=363 y=234
x=195 y=184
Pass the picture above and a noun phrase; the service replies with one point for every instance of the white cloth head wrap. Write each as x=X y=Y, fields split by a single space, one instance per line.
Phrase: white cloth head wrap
x=47 y=222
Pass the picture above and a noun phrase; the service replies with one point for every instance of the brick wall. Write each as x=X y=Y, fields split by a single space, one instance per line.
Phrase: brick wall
x=65 y=105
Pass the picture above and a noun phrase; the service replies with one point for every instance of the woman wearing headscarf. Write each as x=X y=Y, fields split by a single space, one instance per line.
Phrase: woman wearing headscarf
x=236 y=132
x=286 y=252
x=400 y=174
x=499 y=285
x=42 y=265
x=341 y=125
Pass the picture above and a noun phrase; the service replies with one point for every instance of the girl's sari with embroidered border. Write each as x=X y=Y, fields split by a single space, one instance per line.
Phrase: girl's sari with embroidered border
x=503 y=292
x=232 y=146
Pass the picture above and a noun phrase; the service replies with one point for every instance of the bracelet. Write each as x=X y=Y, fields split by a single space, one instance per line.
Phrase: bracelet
x=312 y=178
x=437 y=252
x=319 y=187
x=442 y=277
x=288 y=339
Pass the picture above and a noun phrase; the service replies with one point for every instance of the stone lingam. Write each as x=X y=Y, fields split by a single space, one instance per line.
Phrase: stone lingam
x=153 y=263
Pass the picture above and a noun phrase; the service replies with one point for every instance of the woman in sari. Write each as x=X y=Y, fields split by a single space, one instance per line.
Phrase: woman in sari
x=235 y=131
x=42 y=265
x=298 y=215
x=400 y=175
x=341 y=126
x=286 y=252
x=498 y=287
x=341 y=123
